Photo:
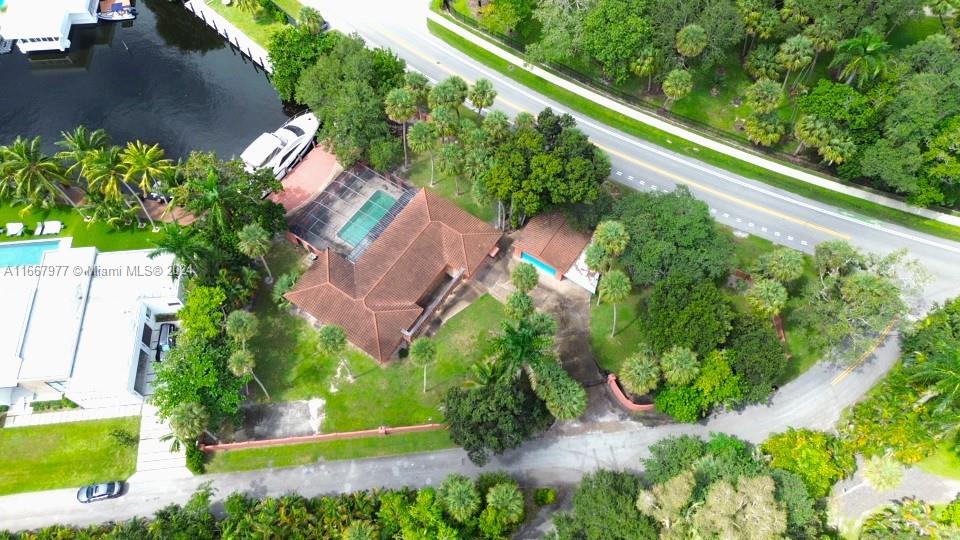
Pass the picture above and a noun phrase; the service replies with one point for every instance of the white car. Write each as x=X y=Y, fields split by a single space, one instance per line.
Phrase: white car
x=282 y=148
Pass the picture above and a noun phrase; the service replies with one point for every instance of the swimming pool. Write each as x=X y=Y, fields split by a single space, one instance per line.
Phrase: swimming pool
x=25 y=253
x=366 y=218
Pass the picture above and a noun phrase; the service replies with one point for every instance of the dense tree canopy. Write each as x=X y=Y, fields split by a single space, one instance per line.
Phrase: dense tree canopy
x=672 y=235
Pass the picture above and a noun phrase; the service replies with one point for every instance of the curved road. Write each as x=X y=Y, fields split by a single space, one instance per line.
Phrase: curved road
x=813 y=400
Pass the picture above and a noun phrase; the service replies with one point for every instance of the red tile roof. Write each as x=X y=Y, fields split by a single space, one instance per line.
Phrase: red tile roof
x=550 y=239
x=376 y=298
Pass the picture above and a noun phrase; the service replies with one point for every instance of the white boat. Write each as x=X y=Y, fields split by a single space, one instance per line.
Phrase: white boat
x=280 y=150
x=117 y=11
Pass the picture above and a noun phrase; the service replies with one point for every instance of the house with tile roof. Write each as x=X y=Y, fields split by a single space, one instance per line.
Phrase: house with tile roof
x=555 y=248
x=410 y=262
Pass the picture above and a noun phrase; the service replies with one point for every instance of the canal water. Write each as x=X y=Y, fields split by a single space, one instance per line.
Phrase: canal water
x=164 y=77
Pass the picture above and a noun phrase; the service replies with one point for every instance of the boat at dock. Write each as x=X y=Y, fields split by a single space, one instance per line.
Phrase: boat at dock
x=116 y=10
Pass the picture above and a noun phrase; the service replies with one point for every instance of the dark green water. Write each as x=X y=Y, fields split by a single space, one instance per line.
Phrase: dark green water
x=164 y=77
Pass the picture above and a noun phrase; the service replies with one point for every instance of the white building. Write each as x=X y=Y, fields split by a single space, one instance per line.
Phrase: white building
x=83 y=328
x=44 y=25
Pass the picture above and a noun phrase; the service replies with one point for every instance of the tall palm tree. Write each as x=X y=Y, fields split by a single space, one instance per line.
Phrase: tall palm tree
x=810 y=131
x=882 y=472
x=242 y=363
x=680 y=365
x=795 y=54
x=861 y=58
x=254 y=242
x=423 y=351
x=332 y=339
x=75 y=146
x=144 y=165
x=940 y=374
x=400 y=106
x=104 y=171
x=423 y=138
x=614 y=288
x=31 y=176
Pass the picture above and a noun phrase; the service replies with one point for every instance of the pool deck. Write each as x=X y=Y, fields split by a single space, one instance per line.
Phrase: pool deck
x=310 y=177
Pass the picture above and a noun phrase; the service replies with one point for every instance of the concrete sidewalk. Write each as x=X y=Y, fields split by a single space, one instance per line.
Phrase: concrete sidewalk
x=684 y=133
x=70 y=415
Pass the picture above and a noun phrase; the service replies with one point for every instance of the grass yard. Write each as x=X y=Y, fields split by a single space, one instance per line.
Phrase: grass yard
x=419 y=174
x=96 y=234
x=65 y=455
x=307 y=453
x=944 y=462
x=256 y=28
x=612 y=351
x=862 y=209
x=391 y=395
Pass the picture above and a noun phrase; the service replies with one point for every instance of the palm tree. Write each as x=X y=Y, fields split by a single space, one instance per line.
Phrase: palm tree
x=361 y=530
x=187 y=247
x=940 y=375
x=188 y=420
x=645 y=65
x=242 y=363
x=614 y=288
x=331 y=339
x=795 y=54
x=484 y=373
x=450 y=162
x=247 y=6
x=104 y=171
x=482 y=94
x=640 y=373
x=400 y=106
x=825 y=34
x=612 y=236
x=460 y=497
x=680 y=366
x=810 y=131
x=882 y=472
x=241 y=326
x=861 y=58
x=419 y=87
x=677 y=85
x=423 y=351
x=31 y=176
x=496 y=126
x=837 y=148
x=144 y=165
x=423 y=138
x=506 y=500
x=767 y=297
x=254 y=242
x=75 y=146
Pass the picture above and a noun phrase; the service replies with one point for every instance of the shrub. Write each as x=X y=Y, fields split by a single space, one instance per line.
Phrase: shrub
x=756 y=355
x=53 y=405
x=683 y=403
x=680 y=313
x=818 y=458
x=544 y=496
x=385 y=153
x=196 y=459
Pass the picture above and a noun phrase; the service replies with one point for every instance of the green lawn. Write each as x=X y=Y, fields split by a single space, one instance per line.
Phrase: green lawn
x=65 y=455
x=304 y=454
x=84 y=234
x=861 y=209
x=944 y=462
x=419 y=174
x=612 y=351
x=258 y=29
x=390 y=395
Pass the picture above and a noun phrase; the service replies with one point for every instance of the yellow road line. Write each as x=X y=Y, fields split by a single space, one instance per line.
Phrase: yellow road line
x=722 y=195
x=639 y=162
x=883 y=335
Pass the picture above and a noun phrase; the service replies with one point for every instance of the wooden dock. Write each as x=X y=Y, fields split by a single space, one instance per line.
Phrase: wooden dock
x=237 y=39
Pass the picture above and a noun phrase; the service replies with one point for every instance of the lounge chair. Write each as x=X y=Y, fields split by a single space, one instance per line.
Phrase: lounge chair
x=52 y=227
x=14 y=229
x=39 y=230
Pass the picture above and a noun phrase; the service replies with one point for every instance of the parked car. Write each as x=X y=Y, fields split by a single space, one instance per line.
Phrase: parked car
x=280 y=150
x=167 y=341
x=99 y=492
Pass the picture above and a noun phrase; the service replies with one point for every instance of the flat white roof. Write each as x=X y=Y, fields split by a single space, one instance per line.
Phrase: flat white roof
x=23 y=19
x=16 y=290
x=56 y=313
x=127 y=284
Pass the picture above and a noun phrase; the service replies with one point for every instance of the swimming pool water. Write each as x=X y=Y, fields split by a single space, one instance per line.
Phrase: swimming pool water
x=24 y=253
x=366 y=218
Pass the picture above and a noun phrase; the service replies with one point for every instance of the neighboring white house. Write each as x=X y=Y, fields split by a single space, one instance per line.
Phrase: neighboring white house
x=82 y=328
x=44 y=25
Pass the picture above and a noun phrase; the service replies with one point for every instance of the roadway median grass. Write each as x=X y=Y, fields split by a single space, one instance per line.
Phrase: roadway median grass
x=66 y=455
x=857 y=208
x=308 y=453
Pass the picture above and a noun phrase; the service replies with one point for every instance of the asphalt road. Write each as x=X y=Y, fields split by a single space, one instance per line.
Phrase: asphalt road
x=813 y=400
x=741 y=203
